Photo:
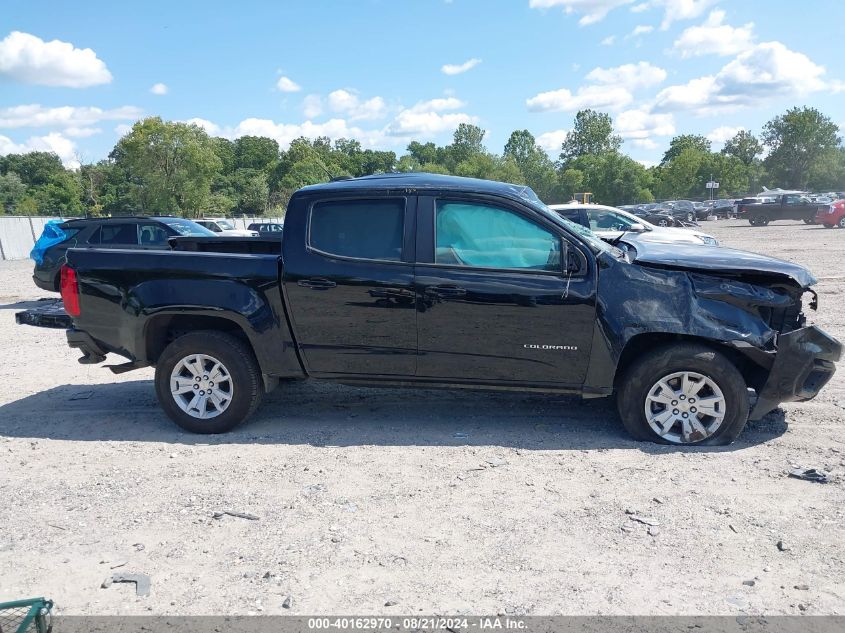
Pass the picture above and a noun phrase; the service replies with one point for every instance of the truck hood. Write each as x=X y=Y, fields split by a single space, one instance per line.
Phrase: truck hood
x=694 y=258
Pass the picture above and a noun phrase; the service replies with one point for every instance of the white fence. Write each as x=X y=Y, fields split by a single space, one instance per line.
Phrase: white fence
x=19 y=232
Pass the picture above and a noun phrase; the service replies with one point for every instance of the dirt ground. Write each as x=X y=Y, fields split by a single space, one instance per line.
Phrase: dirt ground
x=439 y=502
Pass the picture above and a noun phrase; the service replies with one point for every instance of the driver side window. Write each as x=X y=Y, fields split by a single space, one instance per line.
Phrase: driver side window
x=485 y=236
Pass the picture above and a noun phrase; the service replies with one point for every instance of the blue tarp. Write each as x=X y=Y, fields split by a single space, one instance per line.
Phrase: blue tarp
x=53 y=234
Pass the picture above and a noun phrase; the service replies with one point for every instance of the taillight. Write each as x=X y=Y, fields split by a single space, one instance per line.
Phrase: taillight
x=70 y=291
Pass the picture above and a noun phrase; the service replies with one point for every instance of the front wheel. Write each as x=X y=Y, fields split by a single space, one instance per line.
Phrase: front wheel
x=841 y=223
x=208 y=382
x=683 y=394
x=809 y=220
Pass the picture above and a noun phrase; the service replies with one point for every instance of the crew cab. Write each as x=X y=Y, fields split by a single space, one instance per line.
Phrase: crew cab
x=789 y=206
x=437 y=281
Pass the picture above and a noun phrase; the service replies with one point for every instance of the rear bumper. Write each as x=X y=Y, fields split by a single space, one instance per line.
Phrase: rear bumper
x=46 y=280
x=803 y=365
x=82 y=341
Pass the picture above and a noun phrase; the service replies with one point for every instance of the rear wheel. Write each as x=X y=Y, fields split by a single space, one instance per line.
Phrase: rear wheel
x=208 y=382
x=809 y=220
x=690 y=217
x=663 y=222
x=759 y=220
x=683 y=394
x=841 y=223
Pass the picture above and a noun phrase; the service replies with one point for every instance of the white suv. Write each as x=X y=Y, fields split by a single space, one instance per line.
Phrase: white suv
x=223 y=226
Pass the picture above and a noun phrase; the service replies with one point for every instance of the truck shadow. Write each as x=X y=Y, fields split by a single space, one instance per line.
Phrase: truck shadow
x=328 y=415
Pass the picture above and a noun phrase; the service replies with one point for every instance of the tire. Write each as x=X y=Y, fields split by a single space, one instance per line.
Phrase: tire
x=690 y=217
x=240 y=377
x=760 y=220
x=663 y=223
x=841 y=223
x=641 y=379
x=809 y=220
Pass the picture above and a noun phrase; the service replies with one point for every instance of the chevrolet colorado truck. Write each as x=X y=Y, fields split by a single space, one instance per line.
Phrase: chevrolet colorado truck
x=437 y=281
x=790 y=206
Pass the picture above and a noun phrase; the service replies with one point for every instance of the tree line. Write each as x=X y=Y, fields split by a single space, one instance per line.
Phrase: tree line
x=164 y=167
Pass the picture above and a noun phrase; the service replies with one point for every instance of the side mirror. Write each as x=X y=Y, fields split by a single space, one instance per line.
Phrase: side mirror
x=636 y=227
x=573 y=262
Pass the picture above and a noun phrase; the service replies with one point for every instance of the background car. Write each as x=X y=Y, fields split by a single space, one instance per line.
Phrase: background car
x=723 y=208
x=120 y=232
x=222 y=226
x=267 y=228
x=610 y=223
x=834 y=215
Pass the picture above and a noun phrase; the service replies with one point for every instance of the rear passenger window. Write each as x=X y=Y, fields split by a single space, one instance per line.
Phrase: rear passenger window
x=363 y=229
x=115 y=234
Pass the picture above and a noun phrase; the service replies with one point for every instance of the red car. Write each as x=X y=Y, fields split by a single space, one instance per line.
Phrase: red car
x=833 y=215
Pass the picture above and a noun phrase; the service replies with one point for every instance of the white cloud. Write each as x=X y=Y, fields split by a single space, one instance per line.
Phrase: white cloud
x=552 y=141
x=284 y=133
x=312 y=106
x=211 y=128
x=609 y=40
x=285 y=84
x=348 y=103
x=675 y=10
x=722 y=134
x=159 y=89
x=81 y=132
x=123 y=129
x=29 y=59
x=426 y=118
x=631 y=76
x=766 y=71
x=35 y=115
x=457 y=69
x=640 y=29
x=639 y=127
x=592 y=10
x=563 y=100
x=713 y=37
x=52 y=142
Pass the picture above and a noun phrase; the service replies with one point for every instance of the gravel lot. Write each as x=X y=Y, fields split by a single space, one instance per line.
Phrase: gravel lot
x=438 y=502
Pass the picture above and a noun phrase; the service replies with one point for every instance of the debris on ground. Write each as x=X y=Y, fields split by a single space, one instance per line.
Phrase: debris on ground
x=802 y=587
x=653 y=531
x=809 y=474
x=783 y=547
x=644 y=520
x=232 y=513
x=495 y=462
x=391 y=603
x=142 y=582
x=749 y=583
x=286 y=604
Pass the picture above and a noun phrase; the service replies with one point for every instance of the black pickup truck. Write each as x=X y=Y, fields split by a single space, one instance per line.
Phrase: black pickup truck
x=791 y=206
x=436 y=281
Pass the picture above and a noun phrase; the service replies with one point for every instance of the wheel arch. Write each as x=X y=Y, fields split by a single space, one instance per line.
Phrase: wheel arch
x=754 y=373
x=163 y=328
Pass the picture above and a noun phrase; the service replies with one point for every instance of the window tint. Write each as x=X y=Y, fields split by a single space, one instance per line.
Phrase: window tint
x=153 y=235
x=116 y=234
x=365 y=229
x=472 y=234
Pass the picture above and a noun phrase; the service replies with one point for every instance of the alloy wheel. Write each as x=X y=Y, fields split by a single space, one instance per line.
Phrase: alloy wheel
x=201 y=386
x=685 y=407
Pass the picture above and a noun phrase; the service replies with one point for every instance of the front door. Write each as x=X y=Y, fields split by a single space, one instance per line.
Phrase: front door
x=494 y=303
x=349 y=285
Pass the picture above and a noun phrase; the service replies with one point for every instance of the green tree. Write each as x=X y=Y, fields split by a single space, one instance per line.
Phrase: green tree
x=592 y=134
x=744 y=146
x=468 y=141
x=171 y=165
x=613 y=178
x=12 y=190
x=536 y=167
x=256 y=152
x=799 y=141
x=683 y=142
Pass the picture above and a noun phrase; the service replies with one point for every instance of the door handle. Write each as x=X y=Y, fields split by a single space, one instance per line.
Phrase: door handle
x=447 y=291
x=316 y=284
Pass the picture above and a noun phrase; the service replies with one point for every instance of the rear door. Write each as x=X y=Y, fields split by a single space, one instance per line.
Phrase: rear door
x=348 y=280
x=494 y=302
x=115 y=235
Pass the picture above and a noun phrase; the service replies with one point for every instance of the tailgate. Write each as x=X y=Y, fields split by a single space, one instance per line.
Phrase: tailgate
x=49 y=313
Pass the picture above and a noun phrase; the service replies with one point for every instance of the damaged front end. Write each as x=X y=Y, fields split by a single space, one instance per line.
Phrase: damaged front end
x=750 y=305
x=800 y=359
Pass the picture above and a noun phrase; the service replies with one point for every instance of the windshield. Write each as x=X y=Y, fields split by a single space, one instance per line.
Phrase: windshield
x=225 y=225
x=593 y=241
x=187 y=228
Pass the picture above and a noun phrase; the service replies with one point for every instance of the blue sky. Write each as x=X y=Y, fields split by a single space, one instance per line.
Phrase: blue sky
x=73 y=76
